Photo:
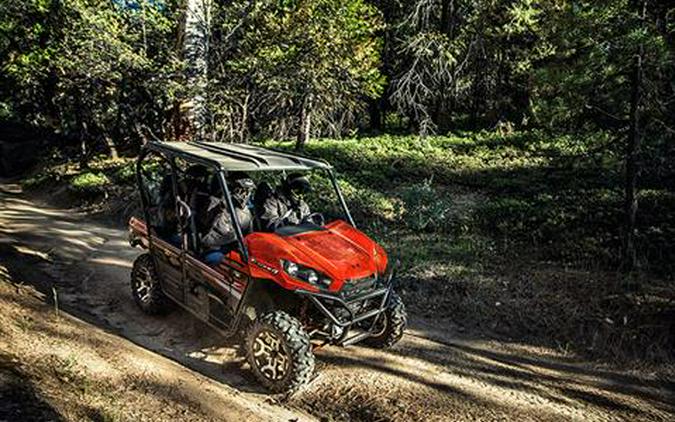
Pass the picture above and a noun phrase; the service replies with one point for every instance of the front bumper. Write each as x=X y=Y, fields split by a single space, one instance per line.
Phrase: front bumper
x=347 y=312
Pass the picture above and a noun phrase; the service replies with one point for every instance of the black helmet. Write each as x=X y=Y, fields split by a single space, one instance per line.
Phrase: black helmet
x=196 y=177
x=297 y=183
x=241 y=185
x=197 y=171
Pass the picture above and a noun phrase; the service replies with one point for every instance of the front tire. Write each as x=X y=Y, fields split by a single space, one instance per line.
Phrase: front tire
x=279 y=352
x=391 y=324
x=145 y=287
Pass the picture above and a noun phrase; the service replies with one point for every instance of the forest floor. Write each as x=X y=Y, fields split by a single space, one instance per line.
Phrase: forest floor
x=99 y=358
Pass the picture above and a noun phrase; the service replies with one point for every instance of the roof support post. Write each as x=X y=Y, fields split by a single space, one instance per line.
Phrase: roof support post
x=233 y=215
x=345 y=209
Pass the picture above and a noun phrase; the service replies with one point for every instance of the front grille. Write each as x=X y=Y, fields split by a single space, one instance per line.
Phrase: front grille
x=357 y=286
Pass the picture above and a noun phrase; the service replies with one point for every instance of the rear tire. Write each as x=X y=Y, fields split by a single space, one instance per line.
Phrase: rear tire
x=145 y=287
x=279 y=352
x=391 y=325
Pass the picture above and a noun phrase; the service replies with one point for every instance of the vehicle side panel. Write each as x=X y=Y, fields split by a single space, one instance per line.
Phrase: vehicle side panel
x=216 y=291
x=167 y=260
x=165 y=255
x=212 y=294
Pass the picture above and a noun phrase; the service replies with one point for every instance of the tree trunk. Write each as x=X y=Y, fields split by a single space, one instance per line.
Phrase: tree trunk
x=478 y=101
x=305 y=123
x=244 y=124
x=82 y=132
x=53 y=30
x=375 y=112
x=196 y=52
x=84 y=153
x=632 y=165
x=448 y=18
x=112 y=147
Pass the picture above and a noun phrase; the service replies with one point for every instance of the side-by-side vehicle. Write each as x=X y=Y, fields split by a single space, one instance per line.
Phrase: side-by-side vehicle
x=286 y=292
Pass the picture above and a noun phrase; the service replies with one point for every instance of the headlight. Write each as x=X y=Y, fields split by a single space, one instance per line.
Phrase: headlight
x=306 y=274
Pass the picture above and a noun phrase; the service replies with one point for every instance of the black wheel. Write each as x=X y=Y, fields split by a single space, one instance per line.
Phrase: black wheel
x=145 y=287
x=391 y=325
x=279 y=352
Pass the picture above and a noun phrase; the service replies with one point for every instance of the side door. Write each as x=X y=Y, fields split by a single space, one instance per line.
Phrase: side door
x=158 y=188
x=213 y=294
x=216 y=292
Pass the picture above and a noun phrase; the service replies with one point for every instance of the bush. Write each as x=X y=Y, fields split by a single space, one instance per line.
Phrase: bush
x=554 y=195
x=364 y=203
x=424 y=208
x=89 y=182
x=126 y=174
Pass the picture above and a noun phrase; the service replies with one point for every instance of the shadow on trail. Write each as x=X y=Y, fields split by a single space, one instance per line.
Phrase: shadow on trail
x=515 y=370
x=47 y=249
x=88 y=267
x=19 y=400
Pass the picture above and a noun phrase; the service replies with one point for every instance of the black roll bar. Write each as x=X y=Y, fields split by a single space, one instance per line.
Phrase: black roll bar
x=233 y=214
x=161 y=150
x=141 y=187
x=333 y=180
x=144 y=192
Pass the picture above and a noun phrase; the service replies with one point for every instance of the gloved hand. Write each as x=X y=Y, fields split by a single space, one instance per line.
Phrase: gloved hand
x=314 y=218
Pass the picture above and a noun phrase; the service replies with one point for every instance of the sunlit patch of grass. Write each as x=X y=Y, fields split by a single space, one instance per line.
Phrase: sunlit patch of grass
x=89 y=181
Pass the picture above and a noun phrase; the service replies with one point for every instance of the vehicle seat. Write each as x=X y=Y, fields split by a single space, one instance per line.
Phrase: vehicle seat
x=263 y=191
x=195 y=186
x=199 y=202
x=163 y=213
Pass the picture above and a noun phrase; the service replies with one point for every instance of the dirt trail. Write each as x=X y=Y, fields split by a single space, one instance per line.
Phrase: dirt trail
x=88 y=266
x=430 y=375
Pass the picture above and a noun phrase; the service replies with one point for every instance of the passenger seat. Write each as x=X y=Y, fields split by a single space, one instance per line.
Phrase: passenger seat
x=263 y=191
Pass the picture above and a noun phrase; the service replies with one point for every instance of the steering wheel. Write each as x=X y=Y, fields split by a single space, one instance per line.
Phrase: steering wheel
x=316 y=218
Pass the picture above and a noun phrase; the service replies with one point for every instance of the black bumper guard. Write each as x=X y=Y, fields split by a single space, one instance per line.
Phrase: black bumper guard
x=348 y=304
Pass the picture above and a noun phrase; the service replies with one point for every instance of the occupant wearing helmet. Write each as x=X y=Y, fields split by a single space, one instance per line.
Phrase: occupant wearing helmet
x=284 y=206
x=196 y=179
x=189 y=183
x=216 y=228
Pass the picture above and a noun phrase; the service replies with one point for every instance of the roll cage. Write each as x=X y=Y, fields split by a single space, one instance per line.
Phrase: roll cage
x=222 y=159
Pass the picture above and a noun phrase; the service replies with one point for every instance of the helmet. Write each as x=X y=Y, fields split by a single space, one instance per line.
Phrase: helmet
x=241 y=186
x=196 y=178
x=297 y=183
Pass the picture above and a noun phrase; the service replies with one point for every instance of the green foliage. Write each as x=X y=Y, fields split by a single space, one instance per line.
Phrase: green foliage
x=590 y=46
x=425 y=208
x=276 y=58
x=89 y=182
x=102 y=175
x=463 y=60
x=554 y=195
x=107 y=73
x=126 y=173
x=86 y=69
x=103 y=73
x=534 y=98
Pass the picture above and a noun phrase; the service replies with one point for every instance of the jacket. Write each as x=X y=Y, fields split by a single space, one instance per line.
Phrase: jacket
x=216 y=227
x=280 y=209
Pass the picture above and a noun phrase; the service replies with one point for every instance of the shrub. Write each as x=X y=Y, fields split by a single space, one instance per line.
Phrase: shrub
x=125 y=174
x=89 y=182
x=424 y=208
